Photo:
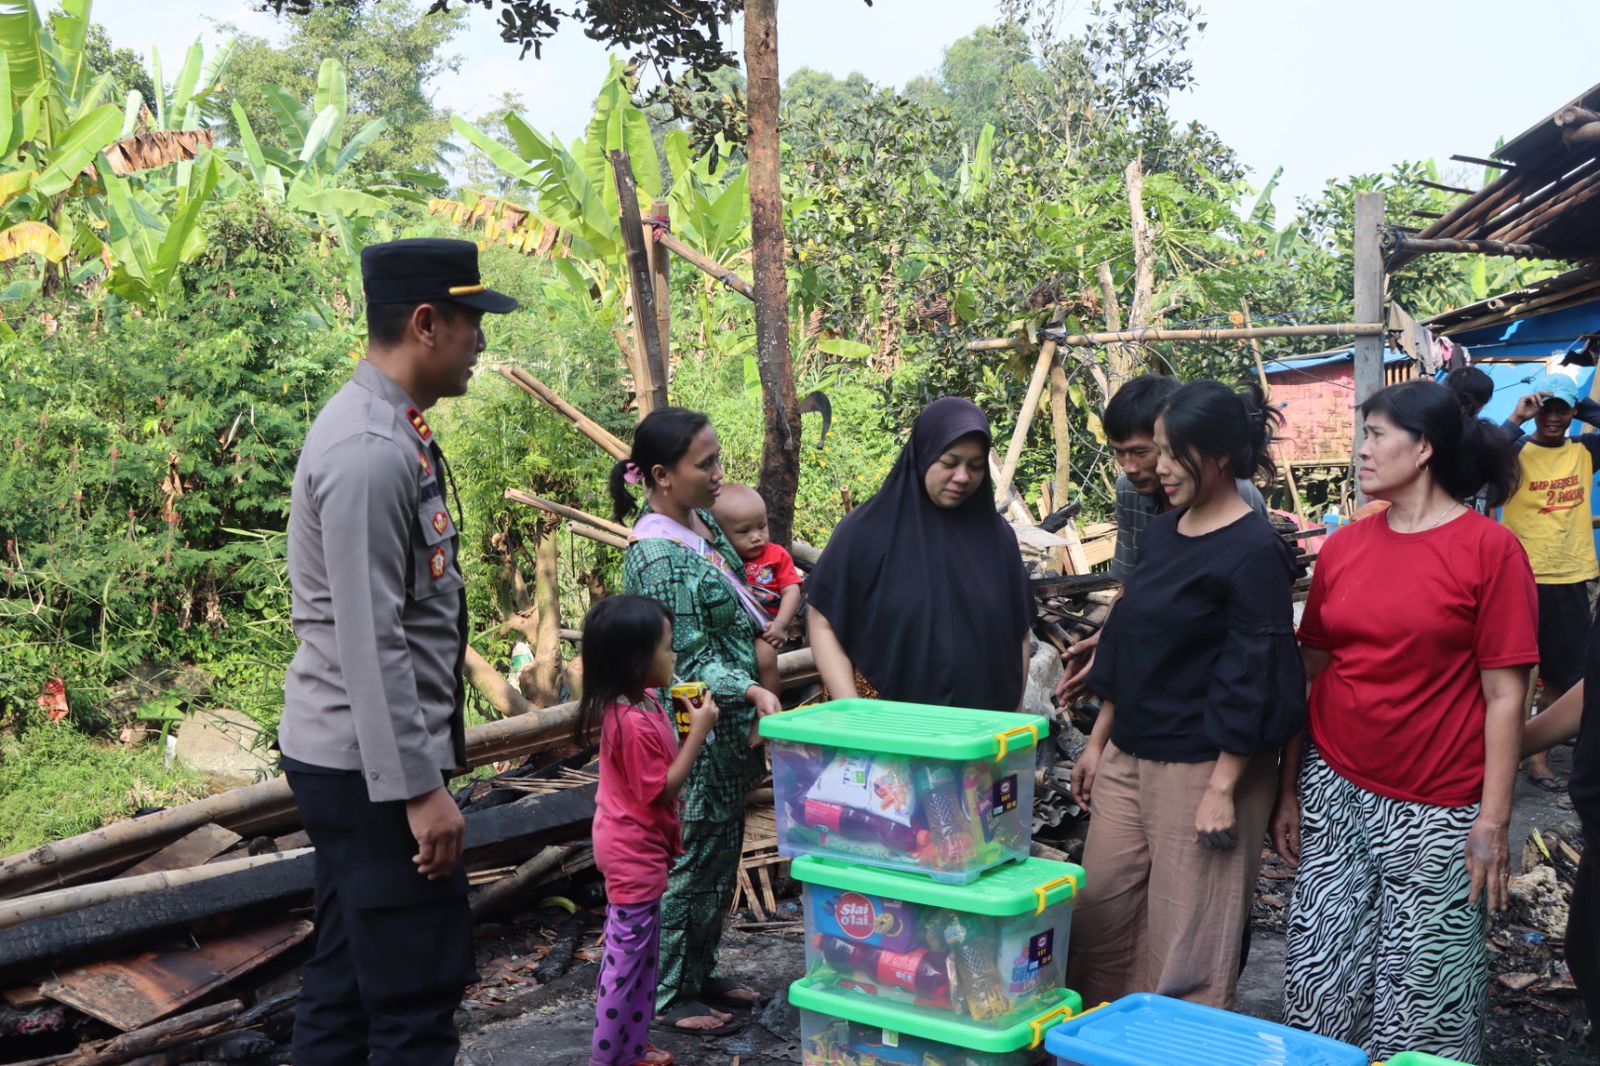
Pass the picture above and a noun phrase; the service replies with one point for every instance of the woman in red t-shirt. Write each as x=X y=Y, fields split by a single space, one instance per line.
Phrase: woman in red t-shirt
x=627 y=650
x=1419 y=634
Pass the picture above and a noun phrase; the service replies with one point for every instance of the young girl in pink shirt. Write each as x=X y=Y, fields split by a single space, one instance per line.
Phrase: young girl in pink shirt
x=627 y=650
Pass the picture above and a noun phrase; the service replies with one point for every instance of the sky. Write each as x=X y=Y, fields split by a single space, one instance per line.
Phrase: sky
x=1323 y=88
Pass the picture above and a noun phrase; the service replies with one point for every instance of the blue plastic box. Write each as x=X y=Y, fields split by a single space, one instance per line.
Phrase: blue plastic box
x=1150 y=1030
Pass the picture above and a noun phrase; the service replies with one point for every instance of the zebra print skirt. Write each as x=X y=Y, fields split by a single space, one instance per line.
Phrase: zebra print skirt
x=1383 y=949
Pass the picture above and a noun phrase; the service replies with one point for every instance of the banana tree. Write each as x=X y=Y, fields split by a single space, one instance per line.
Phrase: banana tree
x=147 y=243
x=53 y=123
x=172 y=132
x=315 y=174
x=571 y=188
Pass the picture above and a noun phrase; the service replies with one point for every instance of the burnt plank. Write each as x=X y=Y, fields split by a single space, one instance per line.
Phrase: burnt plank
x=192 y=849
x=132 y=992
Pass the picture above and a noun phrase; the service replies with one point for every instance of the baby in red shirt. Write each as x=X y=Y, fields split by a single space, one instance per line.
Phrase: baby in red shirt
x=768 y=570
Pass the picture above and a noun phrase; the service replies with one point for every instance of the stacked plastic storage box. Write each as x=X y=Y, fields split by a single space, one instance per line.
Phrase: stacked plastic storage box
x=931 y=936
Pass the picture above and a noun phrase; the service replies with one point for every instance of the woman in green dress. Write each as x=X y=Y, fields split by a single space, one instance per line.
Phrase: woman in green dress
x=679 y=556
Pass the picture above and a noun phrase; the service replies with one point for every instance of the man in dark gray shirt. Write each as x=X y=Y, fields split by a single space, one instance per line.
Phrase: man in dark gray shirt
x=372 y=718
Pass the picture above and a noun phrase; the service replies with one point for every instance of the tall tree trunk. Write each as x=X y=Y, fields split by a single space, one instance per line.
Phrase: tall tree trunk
x=547 y=593
x=1123 y=358
x=780 y=450
x=1140 y=311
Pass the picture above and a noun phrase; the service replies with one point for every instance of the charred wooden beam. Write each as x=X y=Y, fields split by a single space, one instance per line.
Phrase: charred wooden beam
x=95 y=931
x=1410 y=247
x=1498 y=164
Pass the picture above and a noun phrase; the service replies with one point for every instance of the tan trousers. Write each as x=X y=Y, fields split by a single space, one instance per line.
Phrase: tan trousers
x=1161 y=912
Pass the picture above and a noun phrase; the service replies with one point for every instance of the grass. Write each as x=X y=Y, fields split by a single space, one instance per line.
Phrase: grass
x=56 y=782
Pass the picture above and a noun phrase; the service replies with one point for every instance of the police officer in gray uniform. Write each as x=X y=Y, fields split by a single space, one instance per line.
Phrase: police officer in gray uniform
x=372 y=719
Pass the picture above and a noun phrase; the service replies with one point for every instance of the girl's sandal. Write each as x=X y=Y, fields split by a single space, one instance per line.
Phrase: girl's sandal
x=654 y=1056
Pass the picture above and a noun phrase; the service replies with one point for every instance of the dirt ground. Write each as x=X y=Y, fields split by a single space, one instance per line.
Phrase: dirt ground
x=551 y=1024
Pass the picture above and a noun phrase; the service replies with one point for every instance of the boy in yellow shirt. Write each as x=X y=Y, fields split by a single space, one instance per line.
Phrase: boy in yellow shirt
x=1550 y=514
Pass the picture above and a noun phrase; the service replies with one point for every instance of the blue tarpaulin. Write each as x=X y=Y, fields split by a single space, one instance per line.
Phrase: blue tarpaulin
x=1537 y=336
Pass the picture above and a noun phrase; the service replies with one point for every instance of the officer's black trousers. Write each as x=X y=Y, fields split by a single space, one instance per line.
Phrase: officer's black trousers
x=393 y=951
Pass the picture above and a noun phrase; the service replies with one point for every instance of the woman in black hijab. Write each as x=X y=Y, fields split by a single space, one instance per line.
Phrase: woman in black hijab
x=920 y=595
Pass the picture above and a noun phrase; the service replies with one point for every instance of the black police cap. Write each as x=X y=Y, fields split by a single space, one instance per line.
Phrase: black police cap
x=425 y=269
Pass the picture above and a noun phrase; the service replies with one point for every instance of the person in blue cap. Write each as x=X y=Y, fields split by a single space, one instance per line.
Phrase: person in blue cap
x=372 y=722
x=1549 y=512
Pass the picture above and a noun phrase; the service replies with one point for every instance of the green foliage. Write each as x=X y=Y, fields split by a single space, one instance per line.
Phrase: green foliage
x=390 y=52
x=856 y=457
x=135 y=447
x=53 y=123
x=56 y=782
x=497 y=437
x=979 y=77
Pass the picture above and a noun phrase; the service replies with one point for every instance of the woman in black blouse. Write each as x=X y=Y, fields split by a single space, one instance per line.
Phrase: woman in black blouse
x=1201 y=685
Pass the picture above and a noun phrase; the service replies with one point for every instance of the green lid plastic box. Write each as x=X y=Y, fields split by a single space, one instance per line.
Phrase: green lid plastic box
x=842 y=1030
x=941 y=791
x=1150 y=1030
x=987 y=953
x=1418 y=1058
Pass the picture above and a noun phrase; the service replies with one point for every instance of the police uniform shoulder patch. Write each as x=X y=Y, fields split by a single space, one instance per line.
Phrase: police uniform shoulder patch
x=419 y=423
x=422 y=459
x=441 y=521
x=436 y=563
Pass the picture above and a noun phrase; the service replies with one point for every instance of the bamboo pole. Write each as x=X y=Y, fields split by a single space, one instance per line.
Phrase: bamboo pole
x=650 y=386
x=1061 y=430
x=1266 y=390
x=997 y=344
x=599 y=536
x=661 y=274
x=1141 y=336
x=607 y=441
x=705 y=264
x=561 y=510
x=1368 y=283
x=62 y=900
x=492 y=897
x=1012 y=503
x=1030 y=404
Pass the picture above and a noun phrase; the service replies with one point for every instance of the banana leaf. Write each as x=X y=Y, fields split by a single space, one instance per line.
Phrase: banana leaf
x=77 y=147
x=188 y=80
x=358 y=144
x=34 y=238
x=22 y=36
